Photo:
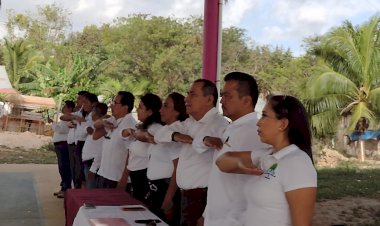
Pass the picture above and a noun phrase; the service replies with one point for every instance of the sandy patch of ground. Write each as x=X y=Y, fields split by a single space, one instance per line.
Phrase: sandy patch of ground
x=25 y=140
x=347 y=211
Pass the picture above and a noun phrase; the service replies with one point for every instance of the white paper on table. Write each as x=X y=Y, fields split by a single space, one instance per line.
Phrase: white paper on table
x=84 y=215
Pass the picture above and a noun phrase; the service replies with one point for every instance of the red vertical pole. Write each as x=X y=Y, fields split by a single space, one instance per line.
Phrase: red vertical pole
x=210 y=40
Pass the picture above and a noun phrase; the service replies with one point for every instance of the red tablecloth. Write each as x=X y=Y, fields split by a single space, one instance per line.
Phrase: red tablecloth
x=75 y=198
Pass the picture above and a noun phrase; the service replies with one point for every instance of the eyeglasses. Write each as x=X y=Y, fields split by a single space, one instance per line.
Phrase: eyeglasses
x=113 y=102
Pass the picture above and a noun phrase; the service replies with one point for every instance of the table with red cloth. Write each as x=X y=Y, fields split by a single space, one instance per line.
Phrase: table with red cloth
x=75 y=198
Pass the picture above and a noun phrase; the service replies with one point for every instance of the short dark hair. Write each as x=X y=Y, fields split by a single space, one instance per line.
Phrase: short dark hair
x=82 y=93
x=209 y=88
x=91 y=97
x=299 y=132
x=179 y=105
x=247 y=85
x=152 y=102
x=128 y=99
x=101 y=109
x=70 y=104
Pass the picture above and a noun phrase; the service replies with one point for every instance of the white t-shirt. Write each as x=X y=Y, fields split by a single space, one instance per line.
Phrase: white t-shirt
x=265 y=194
x=160 y=164
x=115 y=149
x=195 y=160
x=240 y=135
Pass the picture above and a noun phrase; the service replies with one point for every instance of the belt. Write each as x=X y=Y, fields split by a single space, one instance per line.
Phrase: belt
x=154 y=185
x=193 y=191
x=60 y=142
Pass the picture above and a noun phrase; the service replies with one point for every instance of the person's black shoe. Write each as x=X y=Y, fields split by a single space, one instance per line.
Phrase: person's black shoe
x=57 y=193
x=61 y=195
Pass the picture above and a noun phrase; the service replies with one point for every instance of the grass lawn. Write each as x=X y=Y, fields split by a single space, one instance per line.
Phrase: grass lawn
x=44 y=155
x=348 y=180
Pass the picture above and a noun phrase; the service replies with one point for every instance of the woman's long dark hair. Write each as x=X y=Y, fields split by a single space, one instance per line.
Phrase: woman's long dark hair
x=152 y=102
x=179 y=105
x=299 y=132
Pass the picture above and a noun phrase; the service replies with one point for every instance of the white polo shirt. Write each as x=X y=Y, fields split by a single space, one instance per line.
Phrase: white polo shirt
x=71 y=135
x=97 y=153
x=265 y=194
x=195 y=160
x=240 y=135
x=138 y=152
x=81 y=130
x=92 y=148
x=160 y=164
x=61 y=129
x=115 y=149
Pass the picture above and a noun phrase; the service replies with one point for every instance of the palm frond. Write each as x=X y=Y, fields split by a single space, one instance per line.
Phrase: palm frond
x=330 y=82
x=374 y=99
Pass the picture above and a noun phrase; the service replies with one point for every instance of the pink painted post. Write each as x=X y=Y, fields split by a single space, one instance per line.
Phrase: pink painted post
x=210 y=40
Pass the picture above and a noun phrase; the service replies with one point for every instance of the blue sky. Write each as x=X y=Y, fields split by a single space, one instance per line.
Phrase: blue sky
x=282 y=23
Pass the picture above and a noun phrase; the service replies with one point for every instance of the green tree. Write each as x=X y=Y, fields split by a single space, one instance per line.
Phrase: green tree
x=347 y=81
x=46 y=29
x=20 y=59
x=52 y=80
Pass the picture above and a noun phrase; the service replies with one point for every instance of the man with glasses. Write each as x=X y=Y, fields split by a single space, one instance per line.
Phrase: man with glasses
x=195 y=158
x=115 y=147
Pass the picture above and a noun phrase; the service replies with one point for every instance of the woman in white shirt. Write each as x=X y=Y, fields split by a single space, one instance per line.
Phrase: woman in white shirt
x=164 y=192
x=284 y=192
x=148 y=113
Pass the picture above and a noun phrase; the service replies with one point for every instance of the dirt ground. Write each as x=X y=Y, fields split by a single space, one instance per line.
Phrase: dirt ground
x=345 y=211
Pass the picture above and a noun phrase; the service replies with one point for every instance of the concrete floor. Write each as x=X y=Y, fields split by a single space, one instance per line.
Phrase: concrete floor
x=47 y=181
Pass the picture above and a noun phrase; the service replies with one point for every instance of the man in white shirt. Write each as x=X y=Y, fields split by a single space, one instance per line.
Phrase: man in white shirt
x=239 y=98
x=71 y=137
x=195 y=159
x=93 y=148
x=82 y=119
x=61 y=129
x=115 y=146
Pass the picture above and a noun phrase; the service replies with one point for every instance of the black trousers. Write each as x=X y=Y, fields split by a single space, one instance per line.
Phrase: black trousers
x=62 y=152
x=193 y=203
x=78 y=176
x=102 y=182
x=158 y=190
x=139 y=184
x=72 y=160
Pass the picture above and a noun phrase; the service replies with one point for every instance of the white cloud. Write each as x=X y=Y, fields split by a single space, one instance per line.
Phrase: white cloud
x=275 y=22
x=113 y=8
x=234 y=11
x=185 y=8
x=293 y=20
x=84 y=5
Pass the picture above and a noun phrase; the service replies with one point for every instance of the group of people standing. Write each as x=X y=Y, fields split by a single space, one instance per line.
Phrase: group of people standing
x=188 y=163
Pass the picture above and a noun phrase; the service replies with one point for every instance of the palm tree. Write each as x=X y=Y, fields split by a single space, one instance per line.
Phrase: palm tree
x=348 y=78
x=20 y=58
x=109 y=87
